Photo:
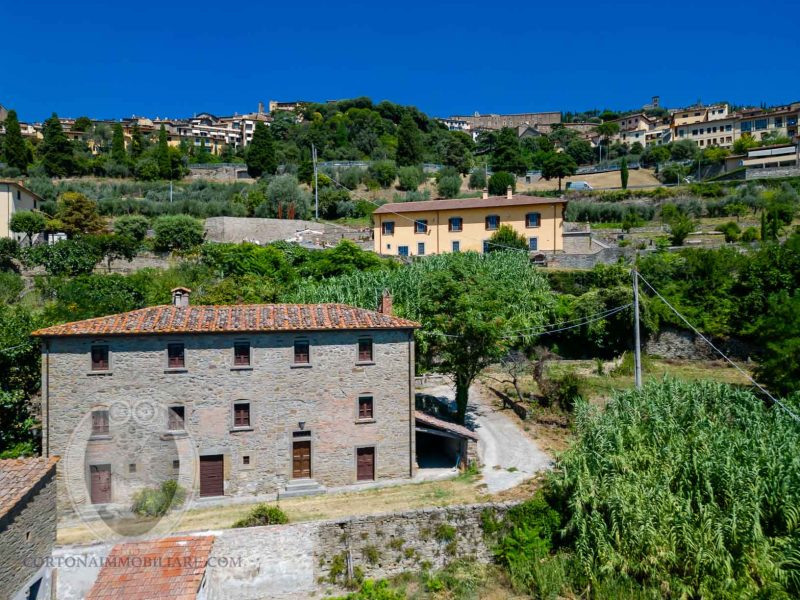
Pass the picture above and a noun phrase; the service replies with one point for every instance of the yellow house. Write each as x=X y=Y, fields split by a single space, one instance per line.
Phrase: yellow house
x=438 y=226
x=14 y=197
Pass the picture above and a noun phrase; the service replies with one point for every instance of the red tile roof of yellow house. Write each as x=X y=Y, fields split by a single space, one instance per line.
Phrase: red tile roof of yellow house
x=459 y=204
x=169 y=568
x=18 y=476
x=238 y=318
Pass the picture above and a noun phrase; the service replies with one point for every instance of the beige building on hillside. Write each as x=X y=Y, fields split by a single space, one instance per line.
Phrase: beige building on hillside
x=439 y=226
x=14 y=197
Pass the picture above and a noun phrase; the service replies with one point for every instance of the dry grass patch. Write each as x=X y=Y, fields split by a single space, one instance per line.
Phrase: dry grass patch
x=461 y=490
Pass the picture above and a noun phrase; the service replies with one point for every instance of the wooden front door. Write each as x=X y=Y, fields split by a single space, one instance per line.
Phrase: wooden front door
x=212 y=478
x=301 y=459
x=100 y=476
x=365 y=464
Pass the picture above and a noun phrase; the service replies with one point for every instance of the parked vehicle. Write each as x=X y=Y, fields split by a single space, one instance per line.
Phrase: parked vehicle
x=578 y=186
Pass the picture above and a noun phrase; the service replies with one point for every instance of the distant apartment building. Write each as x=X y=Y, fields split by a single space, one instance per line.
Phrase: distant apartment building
x=497 y=121
x=441 y=226
x=776 y=156
x=275 y=105
x=707 y=126
x=779 y=120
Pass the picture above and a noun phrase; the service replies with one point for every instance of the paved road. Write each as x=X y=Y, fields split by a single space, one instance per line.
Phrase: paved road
x=502 y=444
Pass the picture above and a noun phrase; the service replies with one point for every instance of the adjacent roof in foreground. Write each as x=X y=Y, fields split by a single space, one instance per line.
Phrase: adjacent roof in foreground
x=236 y=318
x=171 y=568
x=20 y=475
x=21 y=186
x=490 y=202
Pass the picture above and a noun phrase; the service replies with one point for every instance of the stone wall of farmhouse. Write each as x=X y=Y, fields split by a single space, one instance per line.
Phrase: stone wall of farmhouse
x=139 y=387
x=27 y=535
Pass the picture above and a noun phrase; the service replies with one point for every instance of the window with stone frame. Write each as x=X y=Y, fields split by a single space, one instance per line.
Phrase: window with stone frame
x=176 y=418
x=100 y=422
x=241 y=354
x=241 y=414
x=176 y=355
x=365 y=350
x=365 y=407
x=100 y=357
x=302 y=352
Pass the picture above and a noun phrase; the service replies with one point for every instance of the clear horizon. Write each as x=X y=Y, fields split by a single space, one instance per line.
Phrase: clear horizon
x=108 y=62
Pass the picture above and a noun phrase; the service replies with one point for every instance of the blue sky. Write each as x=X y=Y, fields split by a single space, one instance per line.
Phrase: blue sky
x=175 y=58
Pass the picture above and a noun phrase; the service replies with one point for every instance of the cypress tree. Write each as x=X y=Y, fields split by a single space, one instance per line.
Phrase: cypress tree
x=409 y=142
x=15 y=150
x=623 y=173
x=118 y=144
x=137 y=142
x=162 y=154
x=261 y=153
x=55 y=149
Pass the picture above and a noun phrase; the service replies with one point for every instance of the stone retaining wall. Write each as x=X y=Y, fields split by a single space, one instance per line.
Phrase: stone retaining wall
x=685 y=345
x=306 y=559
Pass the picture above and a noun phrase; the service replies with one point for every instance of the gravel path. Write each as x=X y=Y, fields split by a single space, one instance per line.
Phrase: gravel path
x=508 y=456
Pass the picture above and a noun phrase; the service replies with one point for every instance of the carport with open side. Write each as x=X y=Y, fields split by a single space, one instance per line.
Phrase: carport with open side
x=441 y=444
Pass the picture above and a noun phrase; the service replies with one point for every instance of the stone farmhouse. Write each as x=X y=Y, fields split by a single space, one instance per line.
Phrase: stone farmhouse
x=27 y=526
x=228 y=400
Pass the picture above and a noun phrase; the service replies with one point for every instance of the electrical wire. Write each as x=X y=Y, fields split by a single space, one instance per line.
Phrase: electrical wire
x=547 y=330
x=720 y=352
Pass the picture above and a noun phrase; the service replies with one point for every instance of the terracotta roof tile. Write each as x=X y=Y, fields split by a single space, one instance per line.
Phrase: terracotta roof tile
x=168 y=568
x=238 y=318
x=18 y=476
x=459 y=204
x=437 y=423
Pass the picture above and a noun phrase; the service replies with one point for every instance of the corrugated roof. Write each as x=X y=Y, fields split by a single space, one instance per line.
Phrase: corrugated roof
x=237 y=318
x=437 y=423
x=20 y=475
x=490 y=202
x=171 y=568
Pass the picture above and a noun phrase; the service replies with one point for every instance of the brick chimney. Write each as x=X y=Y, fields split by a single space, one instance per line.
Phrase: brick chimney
x=385 y=304
x=485 y=194
x=509 y=193
x=180 y=296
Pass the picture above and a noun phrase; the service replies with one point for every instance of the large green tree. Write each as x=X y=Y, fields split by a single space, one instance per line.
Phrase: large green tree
x=409 y=142
x=55 y=150
x=162 y=155
x=14 y=149
x=137 y=142
x=261 y=158
x=471 y=314
x=507 y=153
x=118 y=144
x=28 y=222
x=558 y=165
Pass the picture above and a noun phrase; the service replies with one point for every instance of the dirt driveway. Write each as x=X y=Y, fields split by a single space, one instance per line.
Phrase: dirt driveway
x=508 y=456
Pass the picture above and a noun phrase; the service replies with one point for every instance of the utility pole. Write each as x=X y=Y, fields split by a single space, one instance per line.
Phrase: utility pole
x=316 y=183
x=637 y=351
x=170 y=190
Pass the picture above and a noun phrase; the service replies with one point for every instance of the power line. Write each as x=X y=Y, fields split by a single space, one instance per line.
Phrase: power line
x=721 y=353
x=13 y=347
x=547 y=330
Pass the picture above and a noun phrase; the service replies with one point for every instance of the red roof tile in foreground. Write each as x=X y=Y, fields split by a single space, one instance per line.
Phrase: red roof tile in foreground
x=237 y=318
x=437 y=423
x=20 y=475
x=171 y=568
x=460 y=204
